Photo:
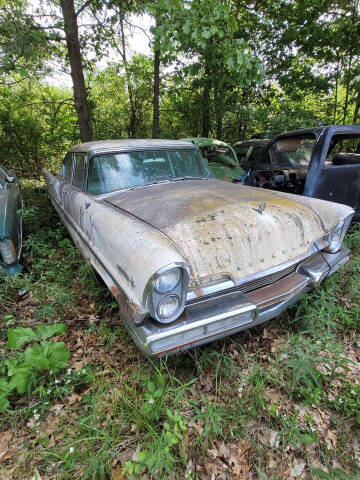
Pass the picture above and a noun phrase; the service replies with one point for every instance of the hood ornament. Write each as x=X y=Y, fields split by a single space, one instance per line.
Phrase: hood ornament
x=261 y=208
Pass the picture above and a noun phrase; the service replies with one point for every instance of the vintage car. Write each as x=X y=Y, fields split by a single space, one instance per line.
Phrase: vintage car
x=220 y=156
x=190 y=258
x=248 y=150
x=10 y=222
x=322 y=162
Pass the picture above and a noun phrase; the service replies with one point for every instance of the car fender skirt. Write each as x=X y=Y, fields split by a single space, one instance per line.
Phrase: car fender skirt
x=210 y=319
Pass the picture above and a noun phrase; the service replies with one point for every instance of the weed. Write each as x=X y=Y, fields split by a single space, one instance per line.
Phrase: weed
x=27 y=369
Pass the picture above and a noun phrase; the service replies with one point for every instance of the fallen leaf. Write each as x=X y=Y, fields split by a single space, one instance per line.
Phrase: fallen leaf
x=117 y=474
x=57 y=407
x=274 y=439
x=331 y=439
x=36 y=475
x=6 y=451
x=74 y=398
x=196 y=427
x=52 y=442
x=297 y=468
x=224 y=452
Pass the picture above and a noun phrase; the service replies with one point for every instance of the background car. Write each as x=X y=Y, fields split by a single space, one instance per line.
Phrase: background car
x=190 y=258
x=10 y=222
x=321 y=162
x=221 y=157
x=248 y=150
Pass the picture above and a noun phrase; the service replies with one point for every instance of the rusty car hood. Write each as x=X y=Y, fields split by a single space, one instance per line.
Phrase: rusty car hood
x=224 y=229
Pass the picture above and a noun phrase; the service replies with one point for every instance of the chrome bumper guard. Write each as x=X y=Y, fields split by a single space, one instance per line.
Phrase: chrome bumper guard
x=213 y=318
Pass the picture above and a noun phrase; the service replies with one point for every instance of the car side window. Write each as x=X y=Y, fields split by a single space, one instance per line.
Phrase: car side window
x=67 y=167
x=79 y=170
x=2 y=177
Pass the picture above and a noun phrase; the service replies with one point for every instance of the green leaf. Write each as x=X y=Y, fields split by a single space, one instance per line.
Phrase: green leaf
x=57 y=354
x=11 y=364
x=36 y=356
x=307 y=438
x=47 y=331
x=206 y=33
x=150 y=386
x=18 y=336
x=21 y=378
x=4 y=392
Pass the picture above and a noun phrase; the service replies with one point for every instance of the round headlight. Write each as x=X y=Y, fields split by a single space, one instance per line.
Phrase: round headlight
x=336 y=238
x=167 y=281
x=168 y=306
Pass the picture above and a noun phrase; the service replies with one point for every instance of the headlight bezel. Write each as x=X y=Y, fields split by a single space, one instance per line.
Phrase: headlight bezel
x=153 y=298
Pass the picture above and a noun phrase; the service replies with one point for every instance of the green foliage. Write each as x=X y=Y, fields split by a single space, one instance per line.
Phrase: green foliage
x=160 y=457
x=24 y=48
x=26 y=369
x=18 y=336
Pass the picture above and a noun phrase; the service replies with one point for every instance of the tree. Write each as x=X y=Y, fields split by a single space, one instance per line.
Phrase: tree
x=24 y=47
x=205 y=33
x=156 y=98
x=77 y=73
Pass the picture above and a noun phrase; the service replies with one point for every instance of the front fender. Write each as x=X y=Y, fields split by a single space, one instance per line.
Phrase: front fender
x=125 y=251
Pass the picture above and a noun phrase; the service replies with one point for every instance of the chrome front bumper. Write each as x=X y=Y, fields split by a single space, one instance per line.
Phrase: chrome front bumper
x=212 y=318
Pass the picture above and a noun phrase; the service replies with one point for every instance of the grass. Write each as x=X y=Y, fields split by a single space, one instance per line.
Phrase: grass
x=275 y=402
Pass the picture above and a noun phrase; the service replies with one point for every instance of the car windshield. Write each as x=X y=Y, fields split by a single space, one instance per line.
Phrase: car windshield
x=109 y=172
x=241 y=151
x=219 y=154
x=292 y=152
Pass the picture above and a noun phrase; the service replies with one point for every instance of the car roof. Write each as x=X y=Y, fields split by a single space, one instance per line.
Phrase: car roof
x=126 y=144
x=252 y=141
x=205 y=142
x=334 y=129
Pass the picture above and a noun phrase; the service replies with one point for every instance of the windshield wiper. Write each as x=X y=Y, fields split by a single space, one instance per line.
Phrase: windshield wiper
x=177 y=179
x=155 y=182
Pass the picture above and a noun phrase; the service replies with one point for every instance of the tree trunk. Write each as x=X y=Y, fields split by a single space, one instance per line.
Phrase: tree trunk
x=132 y=126
x=348 y=79
x=156 y=111
x=336 y=91
x=219 y=122
x=206 y=109
x=77 y=73
x=219 y=112
x=357 y=107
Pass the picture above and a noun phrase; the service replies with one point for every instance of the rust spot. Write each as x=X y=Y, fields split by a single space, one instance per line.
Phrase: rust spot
x=127 y=308
x=199 y=292
x=115 y=291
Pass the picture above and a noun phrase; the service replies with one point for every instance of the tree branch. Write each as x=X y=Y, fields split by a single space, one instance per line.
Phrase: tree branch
x=82 y=8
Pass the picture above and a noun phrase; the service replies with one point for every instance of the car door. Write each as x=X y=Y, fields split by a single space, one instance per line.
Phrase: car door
x=339 y=177
x=13 y=210
x=75 y=198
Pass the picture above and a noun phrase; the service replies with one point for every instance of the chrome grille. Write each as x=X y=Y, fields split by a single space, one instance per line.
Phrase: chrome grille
x=253 y=284
x=266 y=280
